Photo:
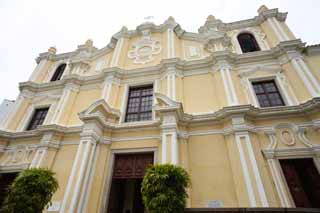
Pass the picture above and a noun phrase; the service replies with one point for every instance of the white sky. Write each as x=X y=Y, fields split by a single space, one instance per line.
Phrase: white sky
x=29 y=27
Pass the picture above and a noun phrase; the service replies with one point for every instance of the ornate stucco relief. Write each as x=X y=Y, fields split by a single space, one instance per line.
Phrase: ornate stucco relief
x=18 y=156
x=143 y=50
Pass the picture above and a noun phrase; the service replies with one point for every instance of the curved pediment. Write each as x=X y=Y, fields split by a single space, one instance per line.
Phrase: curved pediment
x=165 y=101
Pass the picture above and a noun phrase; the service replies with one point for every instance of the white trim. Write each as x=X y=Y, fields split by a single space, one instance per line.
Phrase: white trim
x=71 y=178
x=282 y=90
x=277 y=181
x=80 y=176
x=38 y=70
x=262 y=194
x=116 y=53
x=170 y=46
x=34 y=160
x=303 y=77
x=245 y=171
x=91 y=173
x=124 y=103
x=43 y=153
x=27 y=116
x=275 y=29
x=313 y=80
x=174 y=149
x=282 y=32
x=86 y=183
x=228 y=86
x=164 y=148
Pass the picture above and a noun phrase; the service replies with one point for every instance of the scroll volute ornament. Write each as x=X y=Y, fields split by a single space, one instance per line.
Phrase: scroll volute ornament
x=143 y=50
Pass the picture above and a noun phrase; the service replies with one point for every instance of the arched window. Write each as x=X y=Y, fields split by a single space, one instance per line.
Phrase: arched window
x=248 y=43
x=58 y=73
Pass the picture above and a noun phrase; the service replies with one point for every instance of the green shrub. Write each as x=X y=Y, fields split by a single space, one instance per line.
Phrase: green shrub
x=31 y=191
x=164 y=189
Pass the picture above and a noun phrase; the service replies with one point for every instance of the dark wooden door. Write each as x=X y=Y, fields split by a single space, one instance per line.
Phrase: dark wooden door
x=303 y=180
x=5 y=181
x=128 y=168
x=131 y=165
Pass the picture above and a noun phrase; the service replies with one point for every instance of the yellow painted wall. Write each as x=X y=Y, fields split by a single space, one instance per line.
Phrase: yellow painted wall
x=211 y=175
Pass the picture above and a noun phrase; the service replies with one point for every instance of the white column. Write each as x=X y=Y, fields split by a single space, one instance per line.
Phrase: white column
x=277 y=181
x=117 y=53
x=170 y=43
x=174 y=149
x=276 y=30
x=254 y=167
x=64 y=101
x=228 y=86
x=77 y=187
x=305 y=74
x=106 y=90
x=38 y=70
x=71 y=178
x=17 y=106
x=280 y=29
x=164 y=148
x=171 y=85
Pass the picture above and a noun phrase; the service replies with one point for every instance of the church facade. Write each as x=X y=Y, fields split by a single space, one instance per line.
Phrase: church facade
x=236 y=104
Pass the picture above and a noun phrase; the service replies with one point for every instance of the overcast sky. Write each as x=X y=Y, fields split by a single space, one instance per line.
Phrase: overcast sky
x=29 y=27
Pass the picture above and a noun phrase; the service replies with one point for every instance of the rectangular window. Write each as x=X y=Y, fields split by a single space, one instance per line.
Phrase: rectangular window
x=267 y=93
x=139 y=106
x=38 y=117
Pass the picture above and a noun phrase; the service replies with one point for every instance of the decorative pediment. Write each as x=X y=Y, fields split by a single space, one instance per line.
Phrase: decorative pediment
x=287 y=139
x=101 y=109
x=259 y=68
x=165 y=101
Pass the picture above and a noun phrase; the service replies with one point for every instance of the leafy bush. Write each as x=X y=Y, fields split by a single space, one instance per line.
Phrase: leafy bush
x=31 y=191
x=164 y=189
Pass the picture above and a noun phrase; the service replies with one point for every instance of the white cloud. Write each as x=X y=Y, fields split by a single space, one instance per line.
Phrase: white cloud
x=32 y=26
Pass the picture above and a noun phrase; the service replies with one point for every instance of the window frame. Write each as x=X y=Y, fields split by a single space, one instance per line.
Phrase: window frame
x=31 y=117
x=127 y=97
x=278 y=87
x=258 y=46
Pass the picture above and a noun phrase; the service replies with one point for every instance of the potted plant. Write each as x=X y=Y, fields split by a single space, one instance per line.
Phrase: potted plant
x=31 y=191
x=164 y=189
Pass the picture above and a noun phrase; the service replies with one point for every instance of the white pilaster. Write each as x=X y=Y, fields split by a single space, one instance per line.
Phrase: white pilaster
x=228 y=85
x=280 y=29
x=257 y=182
x=117 y=53
x=64 y=101
x=106 y=90
x=38 y=70
x=174 y=148
x=171 y=85
x=78 y=183
x=170 y=43
x=305 y=73
x=23 y=96
x=164 y=148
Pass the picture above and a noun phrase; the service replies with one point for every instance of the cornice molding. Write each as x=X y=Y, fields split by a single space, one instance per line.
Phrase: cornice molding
x=183 y=67
x=247 y=112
